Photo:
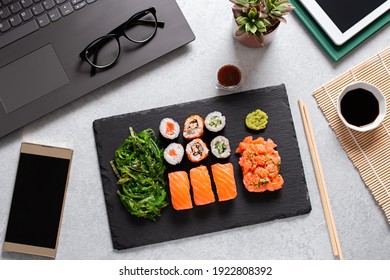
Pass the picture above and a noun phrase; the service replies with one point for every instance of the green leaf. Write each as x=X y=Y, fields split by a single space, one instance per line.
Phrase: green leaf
x=277 y=13
x=282 y=7
x=250 y=28
x=266 y=22
x=260 y=25
x=240 y=30
x=253 y=28
x=247 y=27
x=242 y=20
x=252 y=13
x=259 y=38
x=241 y=3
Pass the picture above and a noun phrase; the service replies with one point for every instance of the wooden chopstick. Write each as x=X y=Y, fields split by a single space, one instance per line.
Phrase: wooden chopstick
x=320 y=181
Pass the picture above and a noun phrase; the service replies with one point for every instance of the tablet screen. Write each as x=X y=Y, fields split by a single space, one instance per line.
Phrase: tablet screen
x=346 y=13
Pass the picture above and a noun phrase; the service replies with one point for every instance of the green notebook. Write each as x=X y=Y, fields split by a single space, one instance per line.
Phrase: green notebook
x=337 y=52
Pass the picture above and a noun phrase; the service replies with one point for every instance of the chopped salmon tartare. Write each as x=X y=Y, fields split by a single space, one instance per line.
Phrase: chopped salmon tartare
x=260 y=164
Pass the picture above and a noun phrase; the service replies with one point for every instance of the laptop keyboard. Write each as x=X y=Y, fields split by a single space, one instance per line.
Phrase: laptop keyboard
x=19 y=18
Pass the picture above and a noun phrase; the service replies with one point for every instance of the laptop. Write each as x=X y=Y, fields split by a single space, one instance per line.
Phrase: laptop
x=40 y=45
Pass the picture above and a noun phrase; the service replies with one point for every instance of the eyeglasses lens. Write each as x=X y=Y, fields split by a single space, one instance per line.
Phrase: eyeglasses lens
x=142 y=29
x=103 y=52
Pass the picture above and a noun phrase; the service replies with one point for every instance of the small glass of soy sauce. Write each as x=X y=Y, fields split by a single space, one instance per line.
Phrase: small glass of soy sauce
x=229 y=77
x=361 y=106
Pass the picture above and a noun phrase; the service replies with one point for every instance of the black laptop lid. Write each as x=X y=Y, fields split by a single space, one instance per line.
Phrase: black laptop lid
x=50 y=72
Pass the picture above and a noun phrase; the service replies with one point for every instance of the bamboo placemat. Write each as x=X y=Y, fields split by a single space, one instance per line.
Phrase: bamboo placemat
x=369 y=151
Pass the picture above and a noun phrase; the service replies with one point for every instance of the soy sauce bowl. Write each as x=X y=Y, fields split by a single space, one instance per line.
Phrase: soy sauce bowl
x=381 y=103
x=228 y=77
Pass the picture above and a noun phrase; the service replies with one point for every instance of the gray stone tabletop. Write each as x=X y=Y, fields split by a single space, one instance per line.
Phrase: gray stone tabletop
x=187 y=74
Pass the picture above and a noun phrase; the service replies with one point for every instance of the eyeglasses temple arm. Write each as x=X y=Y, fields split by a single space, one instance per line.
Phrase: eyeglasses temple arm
x=160 y=24
x=118 y=29
x=93 y=68
x=150 y=22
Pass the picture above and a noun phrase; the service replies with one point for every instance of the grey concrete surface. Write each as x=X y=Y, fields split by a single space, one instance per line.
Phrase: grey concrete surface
x=293 y=58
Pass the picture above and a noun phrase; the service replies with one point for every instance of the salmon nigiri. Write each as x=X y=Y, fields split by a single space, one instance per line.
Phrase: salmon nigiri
x=201 y=185
x=179 y=186
x=223 y=175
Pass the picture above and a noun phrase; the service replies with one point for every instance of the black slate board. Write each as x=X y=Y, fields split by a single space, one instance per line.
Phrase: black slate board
x=248 y=208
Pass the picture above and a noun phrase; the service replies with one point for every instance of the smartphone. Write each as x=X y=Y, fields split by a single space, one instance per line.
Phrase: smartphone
x=38 y=200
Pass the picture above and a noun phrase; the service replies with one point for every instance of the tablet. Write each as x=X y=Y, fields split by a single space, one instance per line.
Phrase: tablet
x=38 y=200
x=342 y=19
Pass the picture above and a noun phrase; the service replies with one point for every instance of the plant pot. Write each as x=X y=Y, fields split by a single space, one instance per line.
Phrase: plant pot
x=250 y=41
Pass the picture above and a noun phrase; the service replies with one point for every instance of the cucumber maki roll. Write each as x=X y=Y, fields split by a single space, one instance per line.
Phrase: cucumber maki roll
x=220 y=147
x=215 y=121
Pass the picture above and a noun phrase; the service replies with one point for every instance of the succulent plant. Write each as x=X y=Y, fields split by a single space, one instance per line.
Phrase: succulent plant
x=258 y=17
x=277 y=9
x=252 y=22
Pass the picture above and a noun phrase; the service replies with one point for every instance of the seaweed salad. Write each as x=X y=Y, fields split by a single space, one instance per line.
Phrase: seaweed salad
x=139 y=165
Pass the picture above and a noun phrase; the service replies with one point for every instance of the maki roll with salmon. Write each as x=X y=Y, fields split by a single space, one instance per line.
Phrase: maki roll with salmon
x=169 y=128
x=173 y=154
x=220 y=147
x=196 y=150
x=215 y=121
x=193 y=127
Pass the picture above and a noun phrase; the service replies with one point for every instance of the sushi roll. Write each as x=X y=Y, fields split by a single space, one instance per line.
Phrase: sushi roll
x=173 y=154
x=215 y=121
x=169 y=128
x=220 y=147
x=196 y=150
x=193 y=127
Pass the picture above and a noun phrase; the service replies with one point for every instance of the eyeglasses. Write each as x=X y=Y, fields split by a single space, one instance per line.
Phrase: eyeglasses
x=105 y=51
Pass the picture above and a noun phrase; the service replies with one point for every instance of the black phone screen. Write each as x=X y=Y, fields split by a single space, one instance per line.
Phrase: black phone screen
x=37 y=201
